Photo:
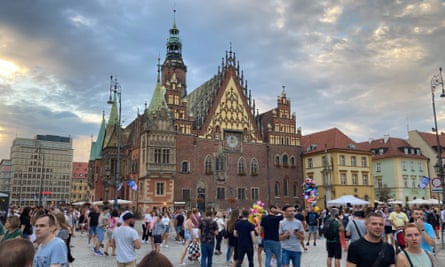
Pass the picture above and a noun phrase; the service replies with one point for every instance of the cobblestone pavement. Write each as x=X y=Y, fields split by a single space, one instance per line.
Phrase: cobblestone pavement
x=314 y=257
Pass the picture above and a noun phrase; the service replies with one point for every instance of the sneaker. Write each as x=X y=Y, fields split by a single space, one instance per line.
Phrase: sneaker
x=106 y=253
x=98 y=253
x=182 y=263
x=165 y=246
x=315 y=244
x=307 y=244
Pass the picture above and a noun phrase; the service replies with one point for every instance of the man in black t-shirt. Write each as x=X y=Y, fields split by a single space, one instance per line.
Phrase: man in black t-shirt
x=245 y=233
x=270 y=225
x=370 y=250
x=179 y=221
x=93 y=222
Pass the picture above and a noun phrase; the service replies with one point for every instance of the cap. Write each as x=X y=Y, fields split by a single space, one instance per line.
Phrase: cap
x=128 y=216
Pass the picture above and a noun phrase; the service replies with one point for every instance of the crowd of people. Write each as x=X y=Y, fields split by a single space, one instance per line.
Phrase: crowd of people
x=378 y=236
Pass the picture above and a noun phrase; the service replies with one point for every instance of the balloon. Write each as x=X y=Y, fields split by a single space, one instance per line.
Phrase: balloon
x=317 y=209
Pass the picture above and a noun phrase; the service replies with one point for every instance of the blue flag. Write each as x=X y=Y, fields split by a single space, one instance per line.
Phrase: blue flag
x=424 y=182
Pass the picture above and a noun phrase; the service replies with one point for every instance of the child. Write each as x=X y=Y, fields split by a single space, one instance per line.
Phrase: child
x=158 y=230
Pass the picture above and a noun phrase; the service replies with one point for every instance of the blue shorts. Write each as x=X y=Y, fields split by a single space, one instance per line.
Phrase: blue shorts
x=157 y=239
x=100 y=234
x=167 y=229
x=287 y=256
x=187 y=236
x=313 y=229
x=92 y=230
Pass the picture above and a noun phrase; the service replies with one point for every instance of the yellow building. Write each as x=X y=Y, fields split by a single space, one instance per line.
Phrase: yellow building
x=79 y=182
x=337 y=166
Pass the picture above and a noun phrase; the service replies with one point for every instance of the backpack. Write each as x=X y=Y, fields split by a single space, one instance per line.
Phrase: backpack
x=431 y=218
x=330 y=232
x=345 y=220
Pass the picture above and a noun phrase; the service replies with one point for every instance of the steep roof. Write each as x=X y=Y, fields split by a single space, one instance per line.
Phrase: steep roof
x=96 y=147
x=431 y=140
x=329 y=139
x=391 y=147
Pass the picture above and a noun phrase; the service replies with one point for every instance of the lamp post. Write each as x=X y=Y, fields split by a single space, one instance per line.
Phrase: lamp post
x=116 y=89
x=435 y=82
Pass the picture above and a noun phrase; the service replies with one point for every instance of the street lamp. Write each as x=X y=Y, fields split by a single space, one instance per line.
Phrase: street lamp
x=116 y=89
x=435 y=82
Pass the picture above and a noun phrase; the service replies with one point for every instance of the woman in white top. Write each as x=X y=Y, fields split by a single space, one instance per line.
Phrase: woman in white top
x=166 y=222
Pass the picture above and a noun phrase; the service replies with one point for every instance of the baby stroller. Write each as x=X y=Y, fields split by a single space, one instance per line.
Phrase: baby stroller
x=194 y=251
x=399 y=237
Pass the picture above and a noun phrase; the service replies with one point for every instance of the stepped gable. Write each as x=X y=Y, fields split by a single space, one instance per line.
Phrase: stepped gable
x=329 y=139
x=392 y=147
x=223 y=103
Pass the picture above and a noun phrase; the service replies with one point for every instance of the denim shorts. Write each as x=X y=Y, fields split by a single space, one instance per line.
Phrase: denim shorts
x=287 y=256
x=100 y=234
x=313 y=229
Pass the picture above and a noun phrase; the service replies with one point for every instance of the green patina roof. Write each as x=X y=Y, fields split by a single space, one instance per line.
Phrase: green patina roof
x=158 y=99
x=96 y=147
x=114 y=116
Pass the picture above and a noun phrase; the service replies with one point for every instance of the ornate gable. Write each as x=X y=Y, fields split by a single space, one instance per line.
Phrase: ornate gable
x=230 y=112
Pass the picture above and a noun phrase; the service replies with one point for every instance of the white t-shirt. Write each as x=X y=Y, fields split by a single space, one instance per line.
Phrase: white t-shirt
x=124 y=237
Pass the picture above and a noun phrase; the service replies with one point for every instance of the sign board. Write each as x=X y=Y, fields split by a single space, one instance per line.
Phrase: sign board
x=436 y=190
x=436 y=182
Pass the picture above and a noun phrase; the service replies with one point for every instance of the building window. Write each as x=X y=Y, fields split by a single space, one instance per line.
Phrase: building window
x=342 y=160
x=165 y=156
x=364 y=162
x=160 y=189
x=277 y=189
x=295 y=190
x=379 y=182
x=286 y=187
x=220 y=163
x=241 y=193
x=277 y=160
x=310 y=163
x=404 y=165
x=293 y=162
x=185 y=167
x=420 y=166
x=365 y=179
x=220 y=193
x=255 y=194
x=208 y=165
x=157 y=155
x=414 y=182
x=285 y=161
x=405 y=181
x=186 y=194
x=241 y=166
x=354 y=179
x=343 y=178
x=353 y=161
x=378 y=167
x=254 y=167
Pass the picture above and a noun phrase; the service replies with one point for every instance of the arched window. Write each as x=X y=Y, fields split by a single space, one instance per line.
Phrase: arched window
x=285 y=161
x=185 y=167
x=286 y=187
x=254 y=167
x=241 y=166
x=277 y=189
x=219 y=166
x=277 y=160
x=293 y=162
x=208 y=165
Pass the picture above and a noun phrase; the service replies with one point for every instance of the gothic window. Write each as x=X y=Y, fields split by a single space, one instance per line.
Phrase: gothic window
x=219 y=163
x=286 y=187
x=294 y=189
x=185 y=167
x=277 y=189
x=208 y=165
x=285 y=161
x=241 y=166
x=277 y=160
x=254 y=167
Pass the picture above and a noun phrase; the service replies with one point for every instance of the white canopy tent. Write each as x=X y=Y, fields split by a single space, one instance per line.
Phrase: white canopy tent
x=347 y=199
x=418 y=201
x=395 y=201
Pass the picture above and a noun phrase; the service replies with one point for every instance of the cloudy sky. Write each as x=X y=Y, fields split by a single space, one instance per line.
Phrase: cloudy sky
x=362 y=66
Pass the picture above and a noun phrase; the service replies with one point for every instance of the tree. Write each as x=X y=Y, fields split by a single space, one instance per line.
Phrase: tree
x=384 y=193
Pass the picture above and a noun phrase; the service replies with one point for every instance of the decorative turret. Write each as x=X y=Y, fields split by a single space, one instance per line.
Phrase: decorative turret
x=174 y=45
x=157 y=102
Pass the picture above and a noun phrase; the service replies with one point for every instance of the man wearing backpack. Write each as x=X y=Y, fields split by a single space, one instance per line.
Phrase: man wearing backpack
x=331 y=230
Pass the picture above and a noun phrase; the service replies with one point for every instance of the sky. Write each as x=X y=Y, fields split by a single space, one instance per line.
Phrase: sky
x=364 y=67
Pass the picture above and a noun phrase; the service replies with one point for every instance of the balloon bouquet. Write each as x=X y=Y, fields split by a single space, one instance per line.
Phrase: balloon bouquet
x=256 y=212
x=310 y=193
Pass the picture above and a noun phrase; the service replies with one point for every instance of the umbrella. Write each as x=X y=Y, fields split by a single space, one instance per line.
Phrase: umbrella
x=347 y=199
x=392 y=202
x=81 y=203
x=418 y=201
x=120 y=201
x=432 y=201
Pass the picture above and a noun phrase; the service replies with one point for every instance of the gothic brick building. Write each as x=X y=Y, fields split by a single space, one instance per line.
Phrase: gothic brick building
x=208 y=148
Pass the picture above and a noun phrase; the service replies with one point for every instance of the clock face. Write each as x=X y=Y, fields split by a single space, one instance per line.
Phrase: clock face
x=232 y=141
